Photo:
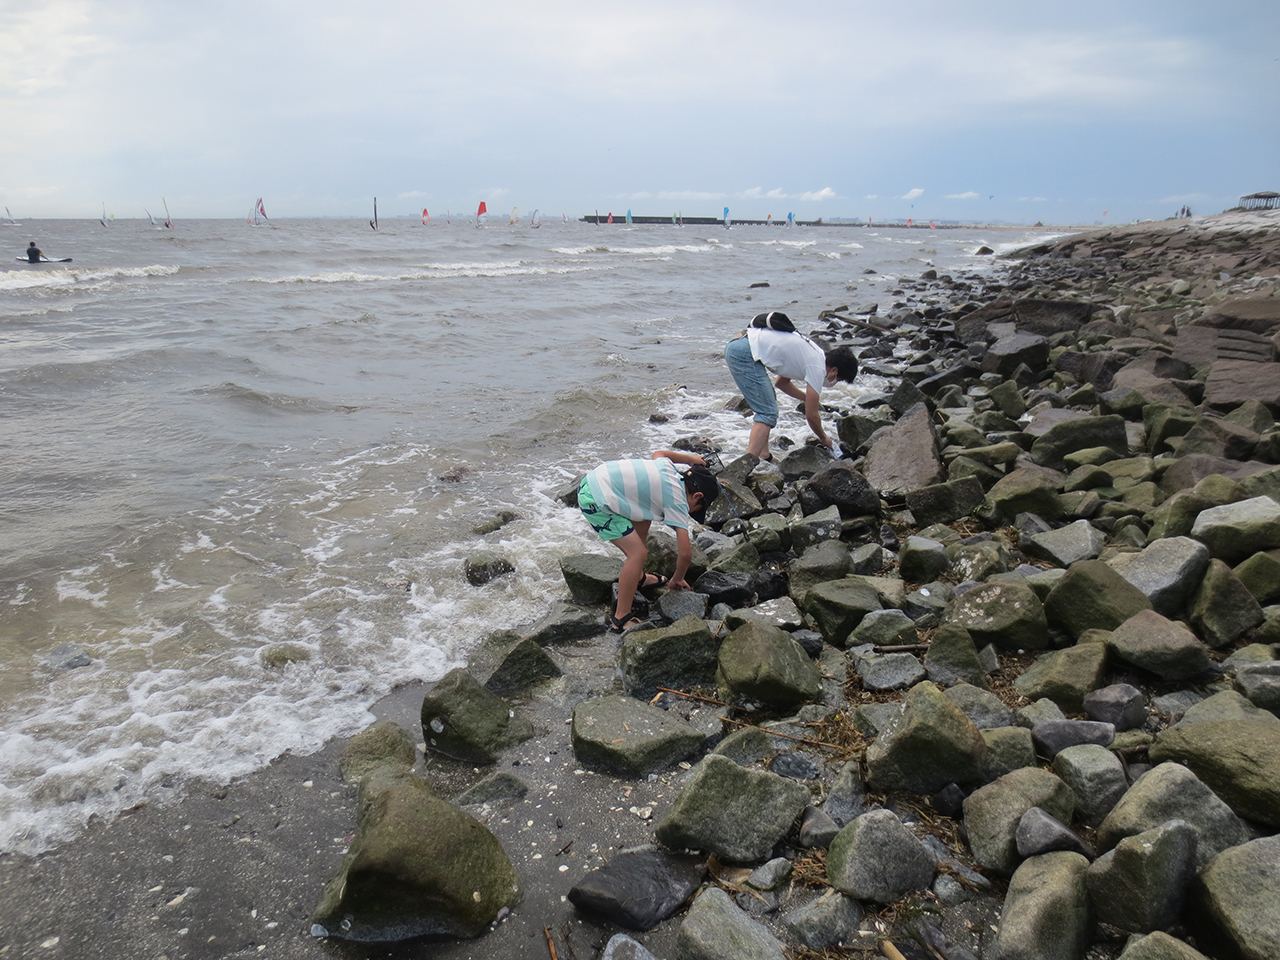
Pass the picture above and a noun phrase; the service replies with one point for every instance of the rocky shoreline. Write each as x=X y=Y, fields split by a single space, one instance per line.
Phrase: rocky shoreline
x=1003 y=683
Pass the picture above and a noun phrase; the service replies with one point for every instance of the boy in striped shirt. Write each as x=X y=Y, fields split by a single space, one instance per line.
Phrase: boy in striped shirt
x=621 y=498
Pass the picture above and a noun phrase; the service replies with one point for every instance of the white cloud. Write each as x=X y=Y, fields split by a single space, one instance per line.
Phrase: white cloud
x=967 y=195
x=826 y=193
x=777 y=193
x=690 y=195
x=912 y=194
x=871 y=196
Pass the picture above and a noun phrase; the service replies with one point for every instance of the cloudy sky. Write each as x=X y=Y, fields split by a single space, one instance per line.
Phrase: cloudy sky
x=938 y=109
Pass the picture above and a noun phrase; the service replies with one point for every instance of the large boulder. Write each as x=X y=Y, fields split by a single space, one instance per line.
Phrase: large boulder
x=381 y=744
x=590 y=576
x=1169 y=791
x=877 y=858
x=839 y=484
x=1159 y=946
x=1009 y=352
x=1024 y=490
x=627 y=737
x=1223 y=610
x=640 y=888
x=1236 y=531
x=1005 y=613
x=1233 y=382
x=1238 y=759
x=1092 y=596
x=418 y=866
x=944 y=502
x=1082 y=434
x=1065 y=545
x=928 y=745
x=1046 y=911
x=1065 y=676
x=1153 y=643
x=905 y=457
x=716 y=929
x=463 y=720
x=763 y=664
x=1142 y=883
x=822 y=562
x=992 y=813
x=1168 y=571
x=1239 y=911
x=838 y=606
x=683 y=654
x=731 y=811
x=507 y=662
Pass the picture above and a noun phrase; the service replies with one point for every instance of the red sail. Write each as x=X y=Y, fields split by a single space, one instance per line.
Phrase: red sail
x=483 y=209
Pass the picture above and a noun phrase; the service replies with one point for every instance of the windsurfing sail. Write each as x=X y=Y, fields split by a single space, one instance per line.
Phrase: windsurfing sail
x=9 y=217
x=673 y=219
x=257 y=214
x=150 y=217
x=103 y=221
x=533 y=221
x=727 y=221
x=374 y=222
x=426 y=217
x=262 y=211
x=481 y=212
x=791 y=219
x=628 y=216
x=168 y=218
x=609 y=218
x=515 y=216
x=768 y=219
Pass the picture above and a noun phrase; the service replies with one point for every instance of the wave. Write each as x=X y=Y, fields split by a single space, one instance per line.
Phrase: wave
x=663 y=250
x=441 y=271
x=71 y=277
x=236 y=393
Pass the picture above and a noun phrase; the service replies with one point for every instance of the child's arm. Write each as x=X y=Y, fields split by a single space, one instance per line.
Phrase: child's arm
x=688 y=459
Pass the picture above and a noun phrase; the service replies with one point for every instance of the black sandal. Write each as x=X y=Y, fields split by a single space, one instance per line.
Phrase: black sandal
x=659 y=581
x=620 y=626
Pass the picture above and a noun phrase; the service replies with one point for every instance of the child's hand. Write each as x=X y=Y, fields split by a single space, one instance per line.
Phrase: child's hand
x=678 y=585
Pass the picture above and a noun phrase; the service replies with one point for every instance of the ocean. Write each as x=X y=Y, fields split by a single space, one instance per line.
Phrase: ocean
x=220 y=438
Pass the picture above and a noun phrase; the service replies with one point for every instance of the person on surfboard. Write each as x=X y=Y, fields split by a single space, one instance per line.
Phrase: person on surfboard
x=620 y=499
x=33 y=253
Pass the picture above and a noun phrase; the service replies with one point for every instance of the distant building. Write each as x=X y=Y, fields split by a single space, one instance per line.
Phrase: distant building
x=1266 y=200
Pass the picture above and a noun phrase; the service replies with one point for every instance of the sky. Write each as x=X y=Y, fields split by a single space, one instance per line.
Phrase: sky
x=1001 y=111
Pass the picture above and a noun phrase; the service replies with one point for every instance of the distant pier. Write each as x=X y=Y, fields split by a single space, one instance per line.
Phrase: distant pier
x=599 y=220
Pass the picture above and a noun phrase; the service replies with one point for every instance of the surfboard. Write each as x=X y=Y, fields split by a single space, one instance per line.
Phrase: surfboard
x=44 y=260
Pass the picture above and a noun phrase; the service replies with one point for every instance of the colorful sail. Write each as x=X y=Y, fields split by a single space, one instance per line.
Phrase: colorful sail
x=727 y=221
x=791 y=219
x=673 y=219
x=426 y=217
x=262 y=211
x=148 y=212
x=628 y=215
x=768 y=219
x=483 y=209
x=168 y=218
x=533 y=221
x=609 y=219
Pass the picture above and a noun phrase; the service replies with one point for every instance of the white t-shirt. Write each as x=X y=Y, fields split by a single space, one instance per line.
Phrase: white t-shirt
x=789 y=355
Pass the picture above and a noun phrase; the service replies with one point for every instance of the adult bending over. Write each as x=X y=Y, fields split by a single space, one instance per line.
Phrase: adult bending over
x=771 y=345
x=621 y=498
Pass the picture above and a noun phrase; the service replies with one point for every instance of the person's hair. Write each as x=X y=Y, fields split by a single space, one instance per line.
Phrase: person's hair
x=699 y=479
x=845 y=362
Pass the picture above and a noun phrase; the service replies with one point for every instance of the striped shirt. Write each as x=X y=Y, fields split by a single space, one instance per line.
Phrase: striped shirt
x=641 y=490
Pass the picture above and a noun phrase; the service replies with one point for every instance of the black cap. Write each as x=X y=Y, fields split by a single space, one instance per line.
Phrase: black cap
x=700 y=480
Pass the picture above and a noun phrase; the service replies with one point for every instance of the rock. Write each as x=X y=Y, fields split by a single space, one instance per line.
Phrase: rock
x=715 y=929
x=1175 y=705
x=736 y=813
x=795 y=766
x=484 y=565
x=847 y=798
x=952 y=657
x=744 y=746
x=1238 y=759
x=1260 y=683
x=507 y=662
x=772 y=875
x=1169 y=791
x=1120 y=704
x=622 y=947
x=418 y=866
x=677 y=604
x=1159 y=946
x=1260 y=575
x=905 y=456
x=830 y=920
x=1008 y=749
x=877 y=858
x=1233 y=382
x=1169 y=650
x=1223 y=610
x=1008 y=352
x=1025 y=490
x=566 y=623
x=1093 y=596
x=71 y=656
x=463 y=720
x=274 y=657
x=1235 y=531
x=720 y=586
x=781 y=612
x=1039 y=833
x=820 y=563
x=888 y=671
x=838 y=606
x=1225 y=705
x=496 y=786
x=1046 y=911
x=1141 y=885
x=1237 y=900
x=684 y=653
x=1006 y=614
x=1096 y=776
x=1081 y=434
x=885 y=628
x=817 y=829
x=985 y=709
x=803 y=462
x=921 y=560
x=384 y=742
x=629 y=738
x=761 y=663
x=1037 y=712
x=1064 y=546
x=639 y=889
x=929 y=745
x=839 y=484
x=944 y=502
x=1051 y=737
x=590 y=576
x=1065 y=676
x=992 y=813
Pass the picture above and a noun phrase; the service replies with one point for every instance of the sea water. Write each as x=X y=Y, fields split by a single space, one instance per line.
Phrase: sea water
x=220 y=438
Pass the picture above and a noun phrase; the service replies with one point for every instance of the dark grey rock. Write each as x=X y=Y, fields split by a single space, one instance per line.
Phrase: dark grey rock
x=484 y=565
x=1040 y=833
x=589 y=576
x=825 y=922
x=847 y=798
x=888 y=671
x=984 y=708
x=1159 y=645
x=1120 y=704
x=622 y=947
x=795 y=766
x=1066 y=545
x=496 y=786
x=1046 y=911
x=639 y=889
x=1141 y=885
x=566 y=623
x=1096 y=776
x=630 y=738
x=816 y=828
x=877 y=858
x=1237 y=898
x=735 y=589
x=1053 y=736
x=992 y=813
x=463 y=720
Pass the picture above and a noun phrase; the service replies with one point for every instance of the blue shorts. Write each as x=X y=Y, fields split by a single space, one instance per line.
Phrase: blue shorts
x=753 y=381
x=610 y=526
